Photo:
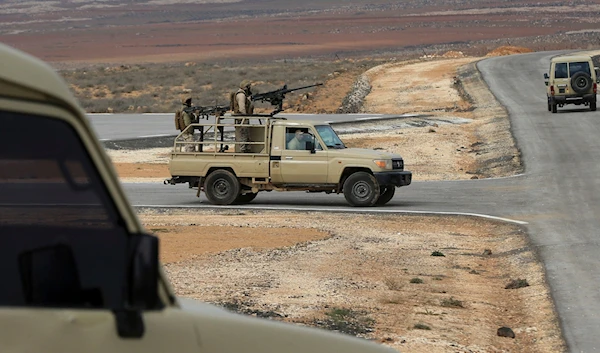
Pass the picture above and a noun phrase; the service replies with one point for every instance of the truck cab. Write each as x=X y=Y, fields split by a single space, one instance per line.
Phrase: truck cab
x=80 y=273
x=283 y=155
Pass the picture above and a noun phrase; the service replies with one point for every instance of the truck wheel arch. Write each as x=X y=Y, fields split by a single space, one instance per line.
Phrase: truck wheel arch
x=214 y=169
x=349 y=171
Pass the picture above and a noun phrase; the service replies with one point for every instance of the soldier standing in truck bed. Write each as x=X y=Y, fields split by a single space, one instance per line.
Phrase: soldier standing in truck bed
x=241 y=104
x=188 y=118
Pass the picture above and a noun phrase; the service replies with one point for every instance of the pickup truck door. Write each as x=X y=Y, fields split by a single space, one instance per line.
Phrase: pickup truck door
x=302 y=166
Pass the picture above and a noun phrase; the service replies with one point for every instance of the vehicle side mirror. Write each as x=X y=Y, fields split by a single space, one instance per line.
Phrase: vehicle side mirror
x=310 y=146
x=143 y=271
x=546 y=76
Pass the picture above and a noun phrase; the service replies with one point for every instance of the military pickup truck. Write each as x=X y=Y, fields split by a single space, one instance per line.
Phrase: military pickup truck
x=273 y=153
x=79 y=273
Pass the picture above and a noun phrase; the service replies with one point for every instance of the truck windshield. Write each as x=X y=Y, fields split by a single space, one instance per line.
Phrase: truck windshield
x=329 y=137
x=58 y=223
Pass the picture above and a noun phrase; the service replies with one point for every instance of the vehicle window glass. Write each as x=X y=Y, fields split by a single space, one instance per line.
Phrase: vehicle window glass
x=296 y=138
x=329 y=137
x=576 y=67
x=560 y=70
x=57 y=220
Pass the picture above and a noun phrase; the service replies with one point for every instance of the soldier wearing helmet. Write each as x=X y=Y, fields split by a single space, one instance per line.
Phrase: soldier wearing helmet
x=188 y=118
x=241 y=104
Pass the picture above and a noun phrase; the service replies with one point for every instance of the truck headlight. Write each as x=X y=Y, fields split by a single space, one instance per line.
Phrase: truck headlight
x=383 y=163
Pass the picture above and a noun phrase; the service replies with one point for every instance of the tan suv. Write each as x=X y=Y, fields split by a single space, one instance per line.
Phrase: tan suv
x=572 y=80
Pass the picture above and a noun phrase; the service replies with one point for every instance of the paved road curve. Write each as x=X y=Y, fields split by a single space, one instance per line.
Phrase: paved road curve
x=115 y=127
x=558 y=195
x=562 y=185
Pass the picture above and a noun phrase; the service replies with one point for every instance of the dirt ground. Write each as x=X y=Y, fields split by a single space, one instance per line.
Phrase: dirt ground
x=371 y=276
x=375 y=276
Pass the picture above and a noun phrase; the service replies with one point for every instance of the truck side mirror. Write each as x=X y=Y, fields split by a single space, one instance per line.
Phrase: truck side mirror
x=143 y=271
x=546 y=78
x=310 y=146
x=546 y=75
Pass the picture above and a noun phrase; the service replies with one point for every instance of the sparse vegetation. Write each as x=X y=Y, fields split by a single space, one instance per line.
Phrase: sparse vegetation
x=451 y=303
x=437 y=253
x=416 y=280
x=159 y=87
x=517 y=283
x=392 y=283
x=346 y=321
x=421 y=327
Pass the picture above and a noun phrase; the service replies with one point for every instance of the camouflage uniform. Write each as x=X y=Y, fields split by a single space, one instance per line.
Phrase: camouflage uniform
x=188 y=118
x=242 y=105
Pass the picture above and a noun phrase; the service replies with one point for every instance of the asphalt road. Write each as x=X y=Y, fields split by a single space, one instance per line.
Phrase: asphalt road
x=115 y=127
x=558 y=196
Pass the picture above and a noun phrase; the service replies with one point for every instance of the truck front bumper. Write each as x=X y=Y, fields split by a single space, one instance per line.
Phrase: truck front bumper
x=394 y=178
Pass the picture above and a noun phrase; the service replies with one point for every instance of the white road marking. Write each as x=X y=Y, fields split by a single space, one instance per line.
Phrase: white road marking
x=146 y=136
x=342 y=210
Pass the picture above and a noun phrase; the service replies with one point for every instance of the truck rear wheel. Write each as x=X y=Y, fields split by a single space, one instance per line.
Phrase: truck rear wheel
x=361 y=189
x=386 y=193
x=245 y=198
x=221 y=187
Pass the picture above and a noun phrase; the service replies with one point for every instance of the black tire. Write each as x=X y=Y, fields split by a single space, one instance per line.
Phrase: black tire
x=554 y=109
x=549 y=105
x=593 y=106
x=386 y=193
x=361 y=189
x=221 y=187
x=245 y=198
x=581 y=82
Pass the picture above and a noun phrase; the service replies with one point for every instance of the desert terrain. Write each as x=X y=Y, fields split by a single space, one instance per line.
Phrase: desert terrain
x=415 y=283
x=375 y=277
x=225 y=30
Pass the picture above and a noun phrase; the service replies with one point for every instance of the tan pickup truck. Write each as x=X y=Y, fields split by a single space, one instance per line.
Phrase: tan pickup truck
x=272 y=153
x=79 y=272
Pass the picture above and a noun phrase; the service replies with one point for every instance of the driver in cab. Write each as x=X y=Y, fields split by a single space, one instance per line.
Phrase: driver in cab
x=298 y=142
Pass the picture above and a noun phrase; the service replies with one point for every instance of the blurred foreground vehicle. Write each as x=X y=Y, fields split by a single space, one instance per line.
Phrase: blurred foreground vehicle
x=79 y=273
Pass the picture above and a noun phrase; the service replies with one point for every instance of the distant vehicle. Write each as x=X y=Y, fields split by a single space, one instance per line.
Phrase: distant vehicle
x=572 y=80
x=79 y=273
x=283 y=155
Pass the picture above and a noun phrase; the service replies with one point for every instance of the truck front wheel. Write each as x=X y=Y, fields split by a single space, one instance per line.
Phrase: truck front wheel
x=386 y=193
x=221 y=187
x=361 y=189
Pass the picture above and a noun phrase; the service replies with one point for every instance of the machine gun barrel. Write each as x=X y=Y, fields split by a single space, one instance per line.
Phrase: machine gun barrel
x=277 y=96
x=206 y=111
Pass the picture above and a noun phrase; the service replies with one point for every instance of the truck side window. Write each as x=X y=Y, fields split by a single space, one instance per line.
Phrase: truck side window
x=62 y=241
x=560 y=70
x=296 y=138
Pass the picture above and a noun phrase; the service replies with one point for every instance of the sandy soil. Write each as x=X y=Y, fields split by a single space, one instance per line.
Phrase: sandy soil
x=377 y=270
